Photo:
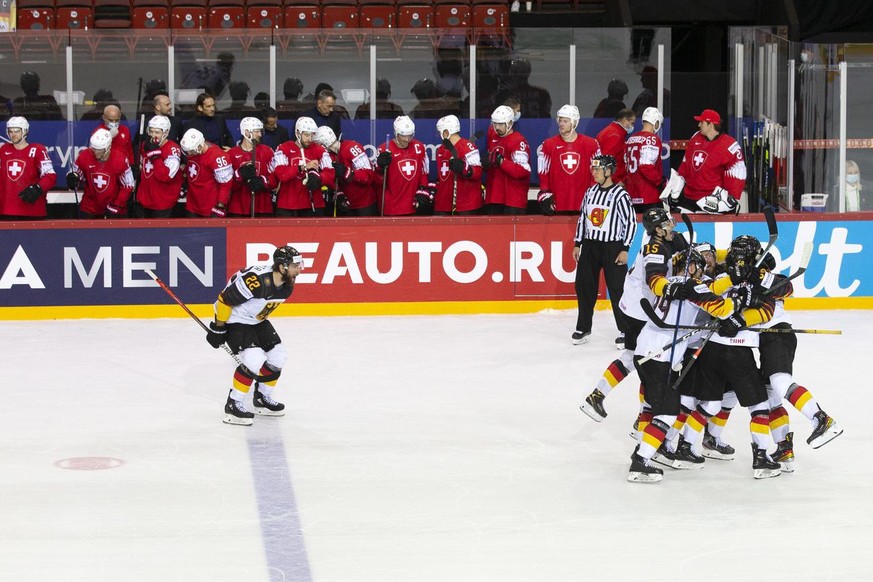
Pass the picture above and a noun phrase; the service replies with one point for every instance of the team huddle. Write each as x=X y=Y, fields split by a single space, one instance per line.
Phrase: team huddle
x=693 y=324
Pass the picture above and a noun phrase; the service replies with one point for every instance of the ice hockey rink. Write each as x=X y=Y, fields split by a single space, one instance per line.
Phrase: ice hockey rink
x=431 y=448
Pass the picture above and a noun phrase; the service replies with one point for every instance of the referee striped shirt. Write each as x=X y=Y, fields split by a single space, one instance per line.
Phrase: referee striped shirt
x=607 y=215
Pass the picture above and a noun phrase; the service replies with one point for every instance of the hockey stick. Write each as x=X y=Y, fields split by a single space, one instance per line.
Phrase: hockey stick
x=658 y=321
x=384 y=176
x=774 y=234
x=306 y=179
x=245 y=370
x=254 y=165
x=453 y=153
x=694 y=357
x=690 y=227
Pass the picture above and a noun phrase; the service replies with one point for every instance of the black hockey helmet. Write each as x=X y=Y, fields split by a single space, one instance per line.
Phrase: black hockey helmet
x=603 y=161
x=694 y=258
x=287 y=255
x=655 y=217
x=742 y=256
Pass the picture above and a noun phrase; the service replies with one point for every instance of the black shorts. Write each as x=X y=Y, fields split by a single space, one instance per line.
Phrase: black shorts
x=720 y=366
x=634 y=327
x=657 y=379
x=686 y=387
x=242 y=335
x=777 y=351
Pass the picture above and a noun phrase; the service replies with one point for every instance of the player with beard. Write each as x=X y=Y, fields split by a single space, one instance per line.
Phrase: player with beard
x=507 y=166
x=29 y=174
x=298 y=166
x=251 y=162
x=563 y=162
x=161 y=176
x=241 y=312
x=106 y=177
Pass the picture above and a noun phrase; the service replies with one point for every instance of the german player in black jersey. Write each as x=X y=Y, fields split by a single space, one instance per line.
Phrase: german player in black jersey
x=241 y=313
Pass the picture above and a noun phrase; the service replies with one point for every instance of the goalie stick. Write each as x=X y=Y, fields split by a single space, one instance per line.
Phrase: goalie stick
x=245 y=370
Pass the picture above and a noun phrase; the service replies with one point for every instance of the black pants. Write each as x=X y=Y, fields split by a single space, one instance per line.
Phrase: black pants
x=595 y=257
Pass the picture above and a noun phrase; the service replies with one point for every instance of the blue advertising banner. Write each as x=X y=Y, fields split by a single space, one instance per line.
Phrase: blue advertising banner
x=106 y=266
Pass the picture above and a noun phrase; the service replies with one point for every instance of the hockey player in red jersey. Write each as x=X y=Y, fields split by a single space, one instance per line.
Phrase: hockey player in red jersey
x=298 y=166
x=209 y=177
x=613 y=140
x=121 y=140
x=28 y=174
x=507 y=166
x=105 y=176
x=161 y=175
x=353 y=175
x=712 y=175
x=241 y=313
x=459 y=171
x=402 y=170
x=645 y=173
x=251 y=176
x=563 y=165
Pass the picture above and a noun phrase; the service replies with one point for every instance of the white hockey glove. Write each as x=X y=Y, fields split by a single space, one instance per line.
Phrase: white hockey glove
x=719 y=202
x=674 y=187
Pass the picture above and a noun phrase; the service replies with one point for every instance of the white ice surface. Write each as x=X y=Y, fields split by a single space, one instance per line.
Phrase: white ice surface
x=419 y=449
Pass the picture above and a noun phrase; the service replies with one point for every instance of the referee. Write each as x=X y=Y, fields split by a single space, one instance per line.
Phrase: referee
x=606 y=229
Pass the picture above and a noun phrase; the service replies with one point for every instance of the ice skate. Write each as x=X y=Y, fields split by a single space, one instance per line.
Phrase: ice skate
x=664 y=456
x=714 y=448
x=784 y=454
x=266 y=406
x=762 y=466
x=641 y=471
x=619 y=342
x=826 y=430
x=684 y=457
x=593 y=406
x=581 y=337
x=235 y=413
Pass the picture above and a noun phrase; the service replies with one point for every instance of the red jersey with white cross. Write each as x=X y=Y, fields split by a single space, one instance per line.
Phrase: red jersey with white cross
x=22 y=168
x=407 y=173
x=103 y=183
x=645 y=172
x=469 y=191
x=240 y=194
x=565 y=169
x=611 y=140
x=508 y=183
x=708 y=164
x=209 y=179
x=160 y=177
x=293 y=194
x=122 y=141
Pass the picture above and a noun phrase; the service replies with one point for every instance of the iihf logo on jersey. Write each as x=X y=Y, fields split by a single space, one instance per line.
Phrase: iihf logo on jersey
x=598 y=216
x=697 y=159
x=570 y=162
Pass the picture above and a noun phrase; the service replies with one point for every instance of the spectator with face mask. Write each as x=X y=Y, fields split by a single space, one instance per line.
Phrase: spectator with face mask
x=854 y=199
x=613 y=138
x=121 y=140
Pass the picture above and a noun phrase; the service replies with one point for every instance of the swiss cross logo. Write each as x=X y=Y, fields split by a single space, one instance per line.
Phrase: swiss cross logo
x=193 y=170
x=570 y=162
x=598 y=216
x=444 y=170
x=100 y=181
x=408 y=169
x=14 y=169
x=148 y=167
x=698 y=158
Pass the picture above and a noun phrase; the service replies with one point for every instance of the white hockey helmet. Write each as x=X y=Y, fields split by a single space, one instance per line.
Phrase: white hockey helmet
x=449 y=123
x=304 y=124
x=653 y=116
x=503 y=114
x=18 y=122
x=250 y=124
x=161 y=122
x=570 y=112
x=191 y=142
x=403 y=125
x=324 y=136
x=100 y=140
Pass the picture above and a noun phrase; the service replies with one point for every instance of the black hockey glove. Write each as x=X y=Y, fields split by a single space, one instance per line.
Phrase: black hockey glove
x=256 y=184
x=72 y=180
x=216 y=335
x=677 y=290
x=547 y=202
x=313 y=181
x=744 y=297
x=423 y=201
x=731 y=326
x=383 y=160
x=247 y=172
x=496 y=159
x=112 y=211
x=459 y=167
x=218 y=211
x=344 y=173
x=341 y=202
x=769 y=262
x=31 y=194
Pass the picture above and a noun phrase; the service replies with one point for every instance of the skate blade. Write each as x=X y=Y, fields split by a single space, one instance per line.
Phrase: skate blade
x=268 y=412
x=634 y=477
x=787 y=466
x=686 y=465
x=231 y=419
x=592 y=414
x=710 y=454
x=584 y=340
x=766 y=473
x=830 y=434
x=663 y=461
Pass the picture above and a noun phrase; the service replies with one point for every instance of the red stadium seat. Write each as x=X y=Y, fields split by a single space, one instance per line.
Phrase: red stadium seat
x=414 y=16
x=227 y=17
x=77 y=17
x=36 y=17
x=264 y=17
x=147 y=17
x=339 y=16
x=490 y=15
x=452 y=16
x=378 y=16
x=302 y=16
x=188 y=17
